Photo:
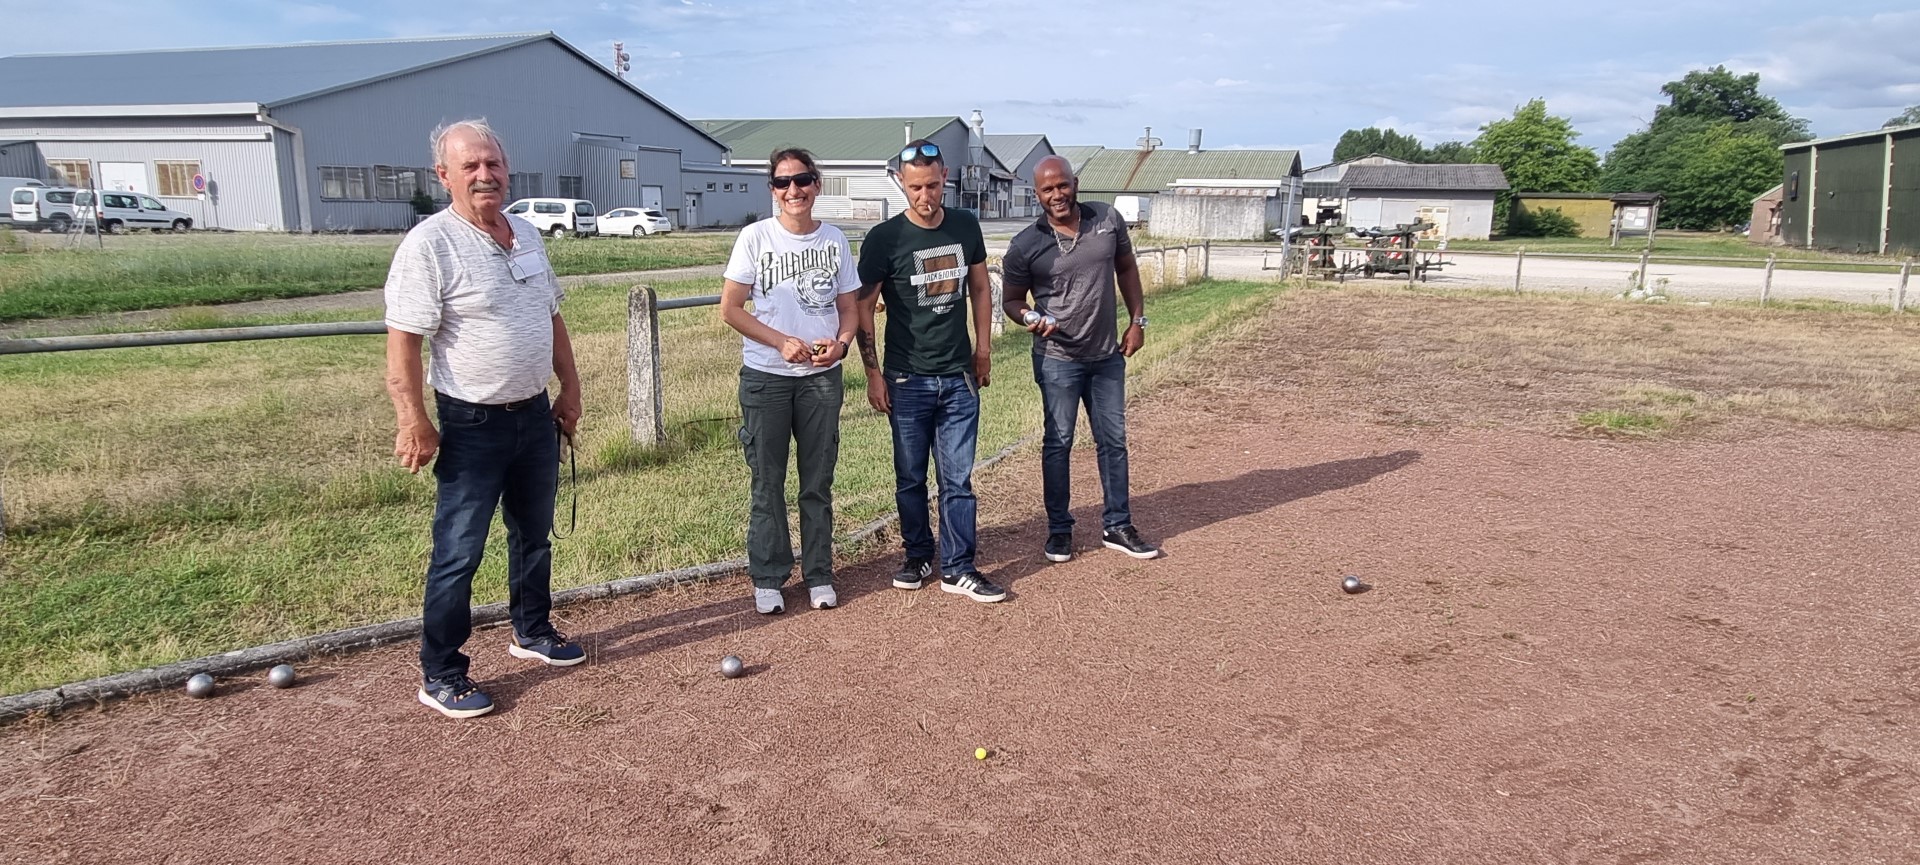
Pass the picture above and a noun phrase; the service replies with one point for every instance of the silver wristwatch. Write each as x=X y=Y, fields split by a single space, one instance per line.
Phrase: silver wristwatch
x=1140 y=322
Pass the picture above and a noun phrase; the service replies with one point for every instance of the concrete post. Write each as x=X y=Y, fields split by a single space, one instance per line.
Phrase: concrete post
x=646 y=406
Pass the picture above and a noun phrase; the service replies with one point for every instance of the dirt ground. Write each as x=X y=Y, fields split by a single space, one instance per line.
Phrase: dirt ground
x=1694 y=648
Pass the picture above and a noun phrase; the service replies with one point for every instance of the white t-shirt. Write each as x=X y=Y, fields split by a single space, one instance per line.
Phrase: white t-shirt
x=487 y=312
x=794 y=280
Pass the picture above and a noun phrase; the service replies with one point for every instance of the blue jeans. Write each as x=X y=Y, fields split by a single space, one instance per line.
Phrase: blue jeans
x=937 y=414
x=489 y=455
x=1102 y=386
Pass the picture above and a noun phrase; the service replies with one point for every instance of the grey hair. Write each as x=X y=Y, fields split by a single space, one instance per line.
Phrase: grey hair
x=477 y=126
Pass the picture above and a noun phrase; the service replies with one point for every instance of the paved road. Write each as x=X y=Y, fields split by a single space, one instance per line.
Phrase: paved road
x=1688 y=281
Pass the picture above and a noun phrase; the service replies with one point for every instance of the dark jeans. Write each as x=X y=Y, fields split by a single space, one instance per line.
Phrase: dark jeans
x=937 y=415
x=1102 y=386
x=804 y=410
x=489 y=455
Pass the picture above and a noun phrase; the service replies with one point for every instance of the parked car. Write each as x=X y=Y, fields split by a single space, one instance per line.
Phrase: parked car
x=557 y=216
x=7 y=186
x=121 y=211
x=635 y=221
x=1135 y=209
x=44 y=208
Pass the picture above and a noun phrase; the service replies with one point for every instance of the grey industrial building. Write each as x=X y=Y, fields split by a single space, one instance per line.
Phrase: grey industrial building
x=1857 y=193
x=333 y=136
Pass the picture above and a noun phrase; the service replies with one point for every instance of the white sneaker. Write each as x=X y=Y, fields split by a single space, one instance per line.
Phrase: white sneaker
x=822 y=597
x=769 y=601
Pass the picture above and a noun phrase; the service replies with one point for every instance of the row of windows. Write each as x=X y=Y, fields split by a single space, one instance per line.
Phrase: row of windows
x=401 y=183
x=173 y=178
x=743 y=187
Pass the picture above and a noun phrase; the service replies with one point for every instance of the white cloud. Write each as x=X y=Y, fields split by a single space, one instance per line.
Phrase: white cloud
x=1229 y=82
x=317 y=13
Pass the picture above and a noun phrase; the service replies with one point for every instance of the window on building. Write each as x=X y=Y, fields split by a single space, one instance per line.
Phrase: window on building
x=570 y=186
x=525 y=185
x=72 y=172
x=627 y=170
x=395 y=183
x=833 y=186
x=346 y=182
x=435 y=188
x=175 y=177
x=712 y=187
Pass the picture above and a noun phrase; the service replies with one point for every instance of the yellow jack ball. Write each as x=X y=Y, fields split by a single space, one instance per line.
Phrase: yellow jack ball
x=979 y=753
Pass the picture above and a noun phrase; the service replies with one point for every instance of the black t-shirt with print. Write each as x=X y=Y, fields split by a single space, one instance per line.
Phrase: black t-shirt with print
x=923 y=276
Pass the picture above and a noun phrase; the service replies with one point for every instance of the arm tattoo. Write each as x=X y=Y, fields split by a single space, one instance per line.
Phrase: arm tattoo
x=869 y=353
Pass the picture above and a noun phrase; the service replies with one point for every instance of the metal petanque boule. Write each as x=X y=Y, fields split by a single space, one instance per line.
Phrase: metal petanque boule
x=1352 y=585
x=281 y=676
x=731 y=667
x=200 y=686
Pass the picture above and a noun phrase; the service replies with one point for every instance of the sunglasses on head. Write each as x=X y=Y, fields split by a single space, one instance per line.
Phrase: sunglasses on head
x=930 y=151
x=804 y=178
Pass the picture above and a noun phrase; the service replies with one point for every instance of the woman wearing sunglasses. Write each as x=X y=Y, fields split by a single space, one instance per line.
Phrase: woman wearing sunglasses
x=799 y=274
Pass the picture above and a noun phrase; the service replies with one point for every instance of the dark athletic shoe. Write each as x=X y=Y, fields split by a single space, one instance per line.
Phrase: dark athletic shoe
x=1060 y=547
x=555 y=650
x=913 y=574
x=973 y=586
x=455 y=696
x=1127 y=539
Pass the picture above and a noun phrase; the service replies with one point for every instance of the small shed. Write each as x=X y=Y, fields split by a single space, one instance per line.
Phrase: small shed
x=1764 y=229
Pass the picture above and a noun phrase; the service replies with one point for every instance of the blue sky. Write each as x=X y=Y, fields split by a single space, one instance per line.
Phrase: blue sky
x=1251 y=74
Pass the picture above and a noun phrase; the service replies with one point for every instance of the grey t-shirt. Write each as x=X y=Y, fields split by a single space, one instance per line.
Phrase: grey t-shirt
x=487 y=312
x=1073 y=280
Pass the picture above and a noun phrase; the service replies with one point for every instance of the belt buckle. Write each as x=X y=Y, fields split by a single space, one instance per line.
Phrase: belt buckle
x=517 y=404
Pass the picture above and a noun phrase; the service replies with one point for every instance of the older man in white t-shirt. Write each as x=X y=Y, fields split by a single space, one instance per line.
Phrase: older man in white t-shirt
x=474 y=284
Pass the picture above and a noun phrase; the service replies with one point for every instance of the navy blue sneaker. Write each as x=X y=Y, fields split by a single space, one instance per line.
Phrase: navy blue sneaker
x=455 y=696
x=913 y=574
x=555 y=650
x=1060 y=547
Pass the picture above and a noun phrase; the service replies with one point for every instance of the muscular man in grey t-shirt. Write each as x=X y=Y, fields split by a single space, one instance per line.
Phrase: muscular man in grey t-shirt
x=475 y=286
x=1065 y=268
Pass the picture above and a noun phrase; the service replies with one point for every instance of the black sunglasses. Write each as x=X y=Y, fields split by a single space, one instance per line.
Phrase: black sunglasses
x=930 y=151
x=804 y=178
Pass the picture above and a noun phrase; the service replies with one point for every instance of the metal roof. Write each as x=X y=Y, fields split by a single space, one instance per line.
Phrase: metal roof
x=1152 y=170
x=265 y=74
x=1012 y=150
x=1078 y=154
x=1454 y=177
x=831 y=139
x=1852 y=136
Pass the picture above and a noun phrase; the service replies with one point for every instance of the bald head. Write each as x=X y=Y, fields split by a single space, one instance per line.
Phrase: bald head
x=1053 y=182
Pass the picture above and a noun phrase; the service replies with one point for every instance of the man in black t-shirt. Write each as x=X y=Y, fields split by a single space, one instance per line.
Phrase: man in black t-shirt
x=930 y=266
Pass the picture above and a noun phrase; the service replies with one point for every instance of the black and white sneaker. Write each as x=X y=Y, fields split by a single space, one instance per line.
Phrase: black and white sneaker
x=913 y=574
x=973 y=586
x=1060 y=547
x=1127 y=539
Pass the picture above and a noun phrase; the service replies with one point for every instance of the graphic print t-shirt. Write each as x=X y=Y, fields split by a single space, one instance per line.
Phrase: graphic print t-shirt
x=795 y=278
x=923 y=276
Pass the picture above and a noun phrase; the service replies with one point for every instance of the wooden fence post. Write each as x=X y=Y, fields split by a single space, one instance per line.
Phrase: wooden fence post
x=645 y=404
x=1519 y=263
x=1643 y=266
x=1206 y=259
x=1766 y=287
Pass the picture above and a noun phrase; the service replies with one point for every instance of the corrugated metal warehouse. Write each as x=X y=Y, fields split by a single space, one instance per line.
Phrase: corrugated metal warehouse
x=853 y=154
x=333 y=136
x=1107 y=174
x=1018 y=154
x=1857 y=193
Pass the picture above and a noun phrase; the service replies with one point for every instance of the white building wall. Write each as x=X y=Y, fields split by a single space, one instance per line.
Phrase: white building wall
x=236 y=154
x=1468 y=216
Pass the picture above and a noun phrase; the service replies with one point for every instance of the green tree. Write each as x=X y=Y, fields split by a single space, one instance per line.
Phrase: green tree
x=1710 y=149
x=1716 y=94
x=1355 y=143
x=1904 y=118
x=1536 y=151
x=1450 y=152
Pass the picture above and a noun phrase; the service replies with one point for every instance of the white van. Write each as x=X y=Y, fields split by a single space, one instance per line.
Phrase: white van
x=43 y=208
x=120 y=211
x=557 y=216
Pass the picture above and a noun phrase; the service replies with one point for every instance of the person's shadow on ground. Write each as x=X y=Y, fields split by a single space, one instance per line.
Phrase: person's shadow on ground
x=1166 y=514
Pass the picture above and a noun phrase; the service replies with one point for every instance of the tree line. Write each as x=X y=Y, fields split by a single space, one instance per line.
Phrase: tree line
x=1710 y=150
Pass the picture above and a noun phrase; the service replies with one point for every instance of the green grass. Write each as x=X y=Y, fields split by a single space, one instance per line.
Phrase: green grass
x=1666 y=244
x=170 y=502
x=51 y=279
x=1618 y=422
